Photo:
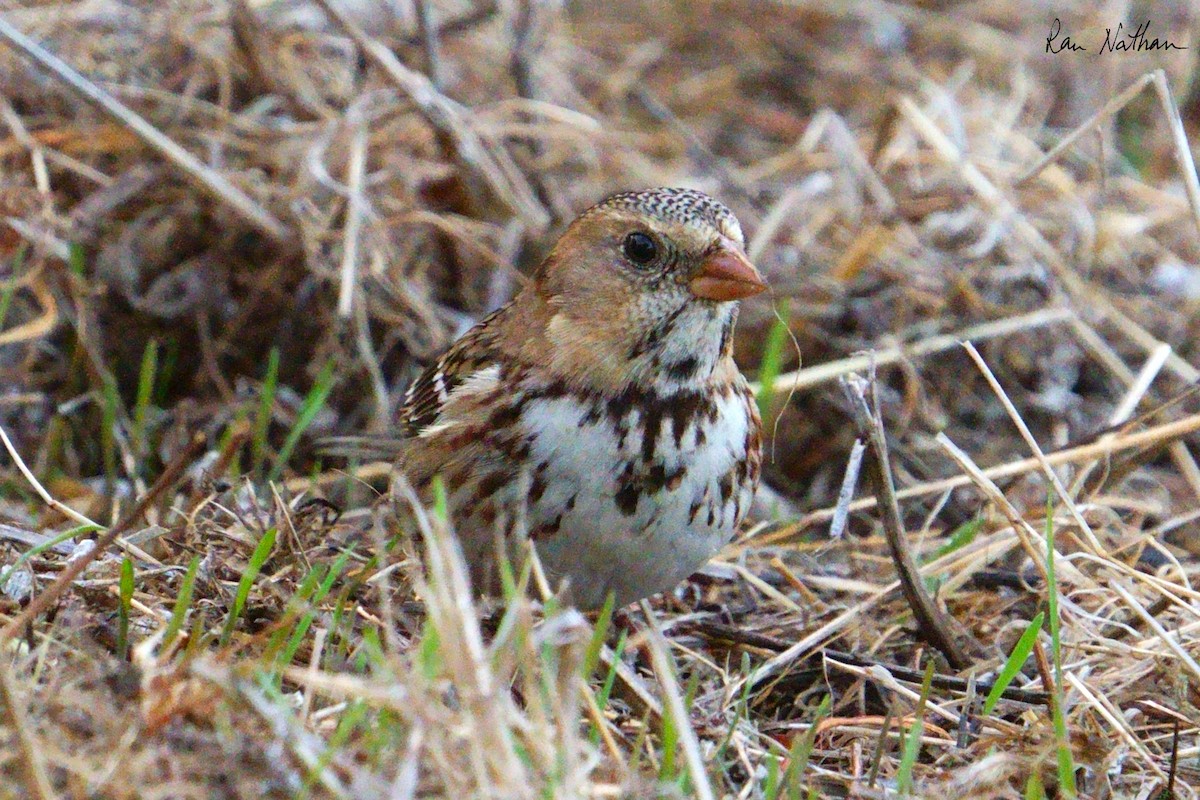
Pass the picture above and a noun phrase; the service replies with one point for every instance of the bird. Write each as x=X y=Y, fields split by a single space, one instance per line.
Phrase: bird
x=600 y=412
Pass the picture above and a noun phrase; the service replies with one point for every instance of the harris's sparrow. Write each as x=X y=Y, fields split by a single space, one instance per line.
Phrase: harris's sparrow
x=601 y=411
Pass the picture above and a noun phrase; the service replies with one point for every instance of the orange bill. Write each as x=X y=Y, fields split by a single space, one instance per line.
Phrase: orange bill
x=726 y=275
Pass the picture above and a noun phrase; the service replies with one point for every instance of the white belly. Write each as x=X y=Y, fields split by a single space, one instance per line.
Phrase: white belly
x=619 y=521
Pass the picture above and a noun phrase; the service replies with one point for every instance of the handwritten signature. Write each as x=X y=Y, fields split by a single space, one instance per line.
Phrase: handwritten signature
x=1118 y=41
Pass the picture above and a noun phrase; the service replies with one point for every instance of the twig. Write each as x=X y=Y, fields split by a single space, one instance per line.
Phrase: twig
x=63 y=508
x=1174 y=646
x=1157 y=435
x=1025 y=532
x=495 y=167
x=821 y=373
x=841 y=514
x=1024 y=231
x=665 y=670
x=36 y=780
x=935 y=627
x=836 y=625
x=1027 y=435
x=427 y=29
x=75 y=568
x=1183 y=151
x=1111 y=107
x=192 y=168
x=718 y=631
x=1116 y=720
x=355 y=203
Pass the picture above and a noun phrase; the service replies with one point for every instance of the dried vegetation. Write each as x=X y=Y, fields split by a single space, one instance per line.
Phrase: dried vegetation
x=269 y=215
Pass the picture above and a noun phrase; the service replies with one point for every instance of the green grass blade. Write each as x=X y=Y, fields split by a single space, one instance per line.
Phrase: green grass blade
x=166 y=371
x=314 y=401
x=772 y=360
x=1034 y=790
x=610 y=678
x=10 y=287
x=124 y=604
x=599 y=633
x=1012 y=666
x=801 y=752
x=962 y=536
x=110 y=404
x=182 y=602
x=262 y=551
x=912 y=744
x=1066 y=765
x=441 y=501
x=266 y=404
x=77 y=260
x=37 y=550
x=145 y=393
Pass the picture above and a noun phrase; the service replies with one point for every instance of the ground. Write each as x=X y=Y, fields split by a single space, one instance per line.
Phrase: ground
x=321 y=196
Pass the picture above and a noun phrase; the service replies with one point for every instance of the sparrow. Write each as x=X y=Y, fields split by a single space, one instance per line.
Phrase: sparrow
x=600 y=412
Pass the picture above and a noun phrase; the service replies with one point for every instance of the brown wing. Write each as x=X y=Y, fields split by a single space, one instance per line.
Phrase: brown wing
x=425 y=398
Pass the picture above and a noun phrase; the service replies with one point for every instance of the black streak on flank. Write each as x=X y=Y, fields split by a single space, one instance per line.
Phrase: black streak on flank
x=491 y=483
x=537 y=487
x=658 y=478
x=684 y=369
x=506 y=416
x=627 y=498
x=684 y=408
x=726 y=486
x=547 y=528
x=652 y=425
x=628 y=492
x=630 y=397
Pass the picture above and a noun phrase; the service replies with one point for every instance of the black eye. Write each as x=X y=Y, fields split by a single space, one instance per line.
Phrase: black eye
x=639 y=248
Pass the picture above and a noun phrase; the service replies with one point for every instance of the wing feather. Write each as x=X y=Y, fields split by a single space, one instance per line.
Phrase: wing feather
x=471 y=355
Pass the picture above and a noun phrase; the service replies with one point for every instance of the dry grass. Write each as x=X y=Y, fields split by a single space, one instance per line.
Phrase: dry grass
x=227 y=229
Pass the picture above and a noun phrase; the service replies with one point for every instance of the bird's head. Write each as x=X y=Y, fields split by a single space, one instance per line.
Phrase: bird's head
x=645 y=284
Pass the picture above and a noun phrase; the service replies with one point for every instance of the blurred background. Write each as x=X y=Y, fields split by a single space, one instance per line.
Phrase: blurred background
x=372 y=177
x=260 y=219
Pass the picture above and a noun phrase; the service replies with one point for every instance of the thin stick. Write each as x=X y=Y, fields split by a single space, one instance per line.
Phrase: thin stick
x=935 y=627
x=841 y=513
x=1151 y=436
x=1183 y=152
x=1114 y=718
x=36 y=780
x=826 y=631
x=1158 y=629
x=665 y=671
x=427 y=29
x=1027 y=435
x=75 y=568
x=1141 y=384
x=1138 y=386
x=66 y=510
x=495 y=167
x=822 y=373
x=1025 y=532
x=1027 y=233
x=1105 y=354
x=1111 y=107
x=191 y=167
x=62 y=508
x=354 y=216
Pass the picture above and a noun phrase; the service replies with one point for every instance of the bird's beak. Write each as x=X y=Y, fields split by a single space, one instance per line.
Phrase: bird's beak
x=726 y=275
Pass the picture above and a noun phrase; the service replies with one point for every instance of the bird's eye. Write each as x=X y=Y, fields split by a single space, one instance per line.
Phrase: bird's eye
x=639 y=248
